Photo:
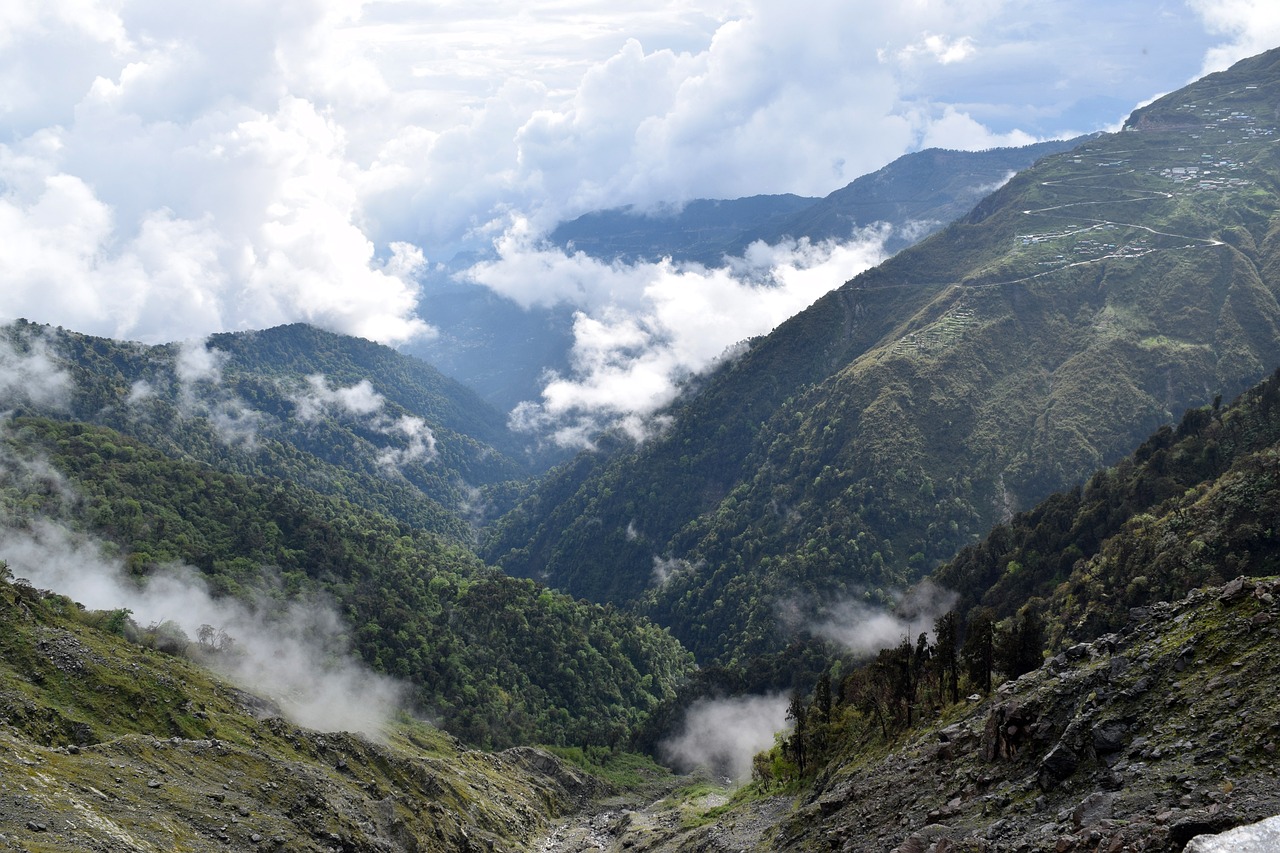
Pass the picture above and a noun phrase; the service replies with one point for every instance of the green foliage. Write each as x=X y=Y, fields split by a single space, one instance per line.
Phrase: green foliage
x=250 y=416
x=500 y=660
x=1190 y=506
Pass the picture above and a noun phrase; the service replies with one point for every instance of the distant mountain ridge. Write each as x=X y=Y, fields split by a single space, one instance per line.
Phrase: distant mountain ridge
x=502 y=350
x=915 y=195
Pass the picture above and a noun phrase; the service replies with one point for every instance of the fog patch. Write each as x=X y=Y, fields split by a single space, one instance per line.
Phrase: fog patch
x=360 y=401
x=420 y=443
x=861 y=628
x=32 y=376
x=296 y=654
x=664 y=568
x=319 y=397
x=197 y=368
x=723 y=735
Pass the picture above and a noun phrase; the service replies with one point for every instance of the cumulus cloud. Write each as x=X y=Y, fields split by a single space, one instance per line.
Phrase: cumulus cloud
x=1249 y=27
x=643 y=329
x=864 y=629
x=165 y=176
x=722 y=735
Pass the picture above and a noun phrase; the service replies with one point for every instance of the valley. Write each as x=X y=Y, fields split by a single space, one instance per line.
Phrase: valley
x=983 y=543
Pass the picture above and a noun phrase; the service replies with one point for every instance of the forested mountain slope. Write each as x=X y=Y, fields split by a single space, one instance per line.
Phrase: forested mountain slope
x=1092 y=298
x=482 y=652
x=341 y=415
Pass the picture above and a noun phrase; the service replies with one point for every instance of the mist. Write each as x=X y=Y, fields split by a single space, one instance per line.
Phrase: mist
x=723 y=735
x=863 y=629
x=294 y=653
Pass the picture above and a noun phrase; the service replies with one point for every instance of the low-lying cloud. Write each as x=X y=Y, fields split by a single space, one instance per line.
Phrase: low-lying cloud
x=32 y=376
x=360 y=401
x=723 y=735
x=294 y=653
x=861 y=628
x=642 y=330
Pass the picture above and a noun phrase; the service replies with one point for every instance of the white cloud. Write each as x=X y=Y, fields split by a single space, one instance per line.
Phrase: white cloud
x=863 y=629
x=723 y=735
x=361 y=401
x=32 y=375
x=1250 y=27
x=295 y=654
x=318 y=396
x=641 y=330
x=170 y=170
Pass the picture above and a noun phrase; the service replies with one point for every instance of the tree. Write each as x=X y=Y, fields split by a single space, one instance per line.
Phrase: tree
x=945 y=632
x=795 y=745
x=1019 y=649
x=979 y=649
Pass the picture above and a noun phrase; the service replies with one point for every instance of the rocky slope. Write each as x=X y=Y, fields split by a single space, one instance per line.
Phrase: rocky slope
x=1139 y=741
x=109 y=746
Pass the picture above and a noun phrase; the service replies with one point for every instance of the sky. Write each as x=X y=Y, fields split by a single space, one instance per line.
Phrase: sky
x=169 y=168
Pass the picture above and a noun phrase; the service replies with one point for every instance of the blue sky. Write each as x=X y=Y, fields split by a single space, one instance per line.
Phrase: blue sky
x=171 y=168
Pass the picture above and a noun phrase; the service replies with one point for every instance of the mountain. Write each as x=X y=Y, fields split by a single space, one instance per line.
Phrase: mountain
x=502 y=350
x=1155 y=588
x=1141 y=740
x=294 y=467
x=111 y=745
x=341 y=415
x=702 y=230
x=1092 y=298
x=915 y=195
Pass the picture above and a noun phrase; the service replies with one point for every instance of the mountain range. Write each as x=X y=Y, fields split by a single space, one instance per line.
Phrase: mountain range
x=502 y=349
x=1055 y=422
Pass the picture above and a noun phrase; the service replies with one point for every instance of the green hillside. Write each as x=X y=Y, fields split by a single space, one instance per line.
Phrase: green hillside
x=108 y=744
x=497 y=660
x=1092 y=298
x=341 y=415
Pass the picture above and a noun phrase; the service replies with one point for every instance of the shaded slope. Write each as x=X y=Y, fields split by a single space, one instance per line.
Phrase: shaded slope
x=1088 y=300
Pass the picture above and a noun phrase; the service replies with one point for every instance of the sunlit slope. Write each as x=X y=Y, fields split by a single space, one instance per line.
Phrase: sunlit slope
x=1092 y=298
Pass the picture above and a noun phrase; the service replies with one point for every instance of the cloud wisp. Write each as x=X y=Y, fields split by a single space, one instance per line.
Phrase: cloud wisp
x=362 y=402
x=863 y=629
x=295 y=654
x=723 y=735
x=642 y=330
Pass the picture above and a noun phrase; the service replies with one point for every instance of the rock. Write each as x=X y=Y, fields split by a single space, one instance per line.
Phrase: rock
x=1234 y=589
x=1096 y=808
x=924 y=840
x=1058 y=765
x=1109 y=736
x=154 y=783
x=36 y=826
x=1263 y=837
